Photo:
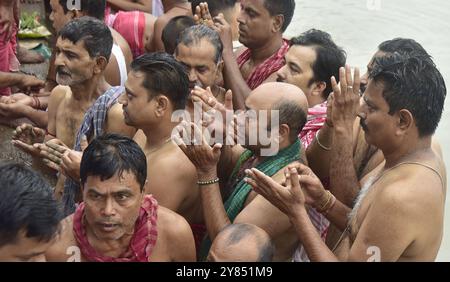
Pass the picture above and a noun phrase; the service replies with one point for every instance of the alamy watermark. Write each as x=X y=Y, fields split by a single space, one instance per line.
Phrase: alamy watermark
x=248 y=128
x=73 y=5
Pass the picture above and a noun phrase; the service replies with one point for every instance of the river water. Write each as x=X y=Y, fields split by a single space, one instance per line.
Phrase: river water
x=359 y=26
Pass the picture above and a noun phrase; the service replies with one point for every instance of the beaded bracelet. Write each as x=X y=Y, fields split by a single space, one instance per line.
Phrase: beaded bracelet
x=209 y=182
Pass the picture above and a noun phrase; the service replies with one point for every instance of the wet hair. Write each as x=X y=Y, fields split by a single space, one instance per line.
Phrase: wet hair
x=329 y=56
x=402 y=46
x=95 y=34
x=240 y=231
x=412 y=82
x=194 y=34
x=163 y=75
x=215 y=6
x=26 y=205
x=293 y=115
x=92 y=8
x=172 y=31
x=113 y=154
x=281 y=7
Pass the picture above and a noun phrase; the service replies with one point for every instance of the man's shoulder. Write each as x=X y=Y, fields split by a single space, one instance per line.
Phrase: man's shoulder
x=60 y=92
x=412 y=187
x=170 y=224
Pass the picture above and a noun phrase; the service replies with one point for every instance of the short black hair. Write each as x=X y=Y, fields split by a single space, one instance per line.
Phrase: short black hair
x=172 y=31
x=413 y=82
x=194 y=34
x=239 y=231
x=92 y=8
x=402 y=46
x=163 y=75
x=215 y=6
x=112 y=154
x=94 y=33
x=281 y=7
x=27 y=205
x=329 y=56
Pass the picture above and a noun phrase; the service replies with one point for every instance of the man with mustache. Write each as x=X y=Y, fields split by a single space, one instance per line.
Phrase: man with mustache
x=199 y=48
x=325 y=158
x=83 y=104
x=226 y=197
x=117 y=221
x=396 y=217
x=312 y=59
x=261 y=27
x=115 y=72
x=156 y=88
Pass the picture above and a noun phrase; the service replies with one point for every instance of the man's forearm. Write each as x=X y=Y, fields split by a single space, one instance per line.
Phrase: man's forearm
x=338 y=215
x=315 y=247
x=319 y=151
x=40 y=118
x=233 y=80
x=214 y=212
x=10 y=79
x=343 y=180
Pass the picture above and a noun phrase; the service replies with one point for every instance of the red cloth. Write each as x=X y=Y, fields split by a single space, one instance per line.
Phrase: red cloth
x=141 y=244
x=266 y=68
x=199 y=231
x=317 y=116
x=8 y=59
x=131 y=25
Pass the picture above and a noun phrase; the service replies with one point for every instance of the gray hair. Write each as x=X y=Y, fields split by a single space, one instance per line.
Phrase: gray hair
x=194 y=34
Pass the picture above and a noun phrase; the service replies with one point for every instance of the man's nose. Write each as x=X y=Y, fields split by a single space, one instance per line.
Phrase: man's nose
x=122 y=99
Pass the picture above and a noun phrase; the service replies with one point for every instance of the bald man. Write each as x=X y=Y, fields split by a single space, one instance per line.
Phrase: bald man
x=241 y=243
x=239 y=203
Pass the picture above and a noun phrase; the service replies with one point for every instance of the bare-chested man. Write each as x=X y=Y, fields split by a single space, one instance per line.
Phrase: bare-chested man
x=117 y=222
x=261 y=27
x=115 y=73
x=199 y=48
x=29 y=214
x=121 y=57
x=172 y=9
x=156 y=87
x=82 y=48
x=228 y=164
x=399 y=213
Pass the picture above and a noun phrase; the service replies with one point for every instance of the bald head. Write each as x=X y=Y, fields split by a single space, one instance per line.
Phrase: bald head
x=272 y=93
x=241 y=243
x=288 y=99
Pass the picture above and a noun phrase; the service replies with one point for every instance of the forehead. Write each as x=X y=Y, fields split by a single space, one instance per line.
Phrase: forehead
x=56 y=5
x=303 y=55
x=126 y=181
x=67 y=45
x=202 y=50
x=25 y=247
x=256 y=5
x=374 y=92
x=134 y=82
